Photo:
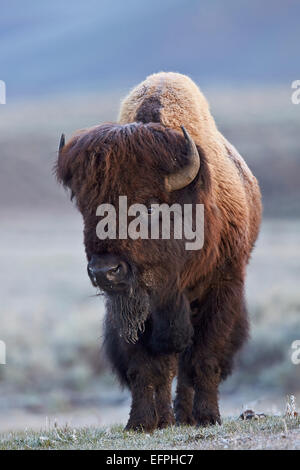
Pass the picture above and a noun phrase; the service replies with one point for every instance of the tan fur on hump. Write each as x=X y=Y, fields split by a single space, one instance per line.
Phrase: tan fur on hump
x=182 y=103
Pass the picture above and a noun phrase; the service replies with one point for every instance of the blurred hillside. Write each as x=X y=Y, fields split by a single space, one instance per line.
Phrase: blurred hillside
x=75 y=46
x=67 y=64
x=262 y=123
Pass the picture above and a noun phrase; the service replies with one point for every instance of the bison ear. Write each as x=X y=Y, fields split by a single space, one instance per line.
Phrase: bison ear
x=63 y=167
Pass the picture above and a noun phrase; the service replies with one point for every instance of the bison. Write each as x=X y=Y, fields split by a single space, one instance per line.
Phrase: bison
x=169 y=311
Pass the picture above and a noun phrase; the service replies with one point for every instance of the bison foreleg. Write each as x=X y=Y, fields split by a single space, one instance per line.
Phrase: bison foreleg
x=197 y=389
x=143 y=415
x=184 y=398
x=206 y=383
x=220 y=328
x=148 y=376
x=150 y=379
x=163 y=390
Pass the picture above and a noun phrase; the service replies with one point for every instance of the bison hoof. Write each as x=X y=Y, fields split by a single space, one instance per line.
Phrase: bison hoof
x=140 y=427
x=208 y=419
x=183 y=419
x=165 y=421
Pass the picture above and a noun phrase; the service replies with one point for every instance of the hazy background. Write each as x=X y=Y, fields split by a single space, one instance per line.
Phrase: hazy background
x=66 y=66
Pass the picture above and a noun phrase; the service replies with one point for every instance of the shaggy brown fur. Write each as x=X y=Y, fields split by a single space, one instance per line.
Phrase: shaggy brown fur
x=190 y=302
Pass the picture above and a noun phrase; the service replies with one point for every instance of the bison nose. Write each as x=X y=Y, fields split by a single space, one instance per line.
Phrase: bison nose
x=106 y=271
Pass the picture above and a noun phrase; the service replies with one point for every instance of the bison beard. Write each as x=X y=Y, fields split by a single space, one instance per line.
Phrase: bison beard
x=129 y=312
x=170 y=326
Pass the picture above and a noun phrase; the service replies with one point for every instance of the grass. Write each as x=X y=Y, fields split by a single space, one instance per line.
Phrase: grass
x=273 y=432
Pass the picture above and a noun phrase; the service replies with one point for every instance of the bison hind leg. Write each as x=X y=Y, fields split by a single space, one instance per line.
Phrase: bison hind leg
x=238 y=338
x=183 y=402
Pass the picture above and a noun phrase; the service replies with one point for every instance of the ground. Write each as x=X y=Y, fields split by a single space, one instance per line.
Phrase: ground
x=265 y=433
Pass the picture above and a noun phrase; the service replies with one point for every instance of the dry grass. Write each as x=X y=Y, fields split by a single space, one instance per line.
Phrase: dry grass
x=265 y=433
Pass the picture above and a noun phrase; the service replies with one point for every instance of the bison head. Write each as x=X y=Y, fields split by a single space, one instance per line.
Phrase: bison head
x=149 y=164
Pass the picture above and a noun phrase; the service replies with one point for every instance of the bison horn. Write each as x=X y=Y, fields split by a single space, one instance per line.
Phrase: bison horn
x=185 y=175
x=62 y=142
